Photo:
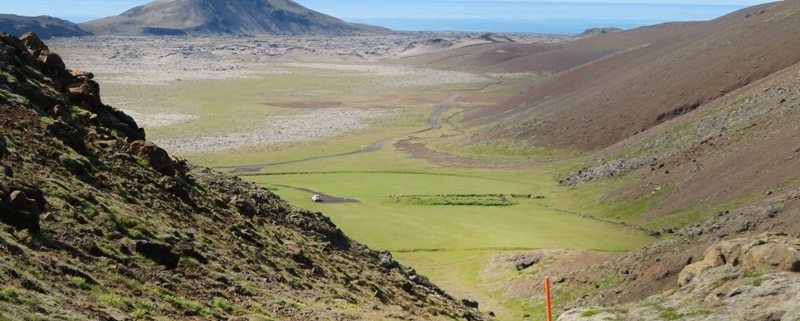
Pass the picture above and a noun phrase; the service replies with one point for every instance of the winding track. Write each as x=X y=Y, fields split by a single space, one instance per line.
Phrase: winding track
x=433 y=121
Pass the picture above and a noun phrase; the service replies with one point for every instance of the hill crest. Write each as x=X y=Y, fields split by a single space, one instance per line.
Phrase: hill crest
x=235 y=17
x=44 y=26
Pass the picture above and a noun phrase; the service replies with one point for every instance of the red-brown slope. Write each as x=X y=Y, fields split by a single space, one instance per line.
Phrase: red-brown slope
x=515 y=57
x=726 y=170
x=477 y=56
x=668 y=70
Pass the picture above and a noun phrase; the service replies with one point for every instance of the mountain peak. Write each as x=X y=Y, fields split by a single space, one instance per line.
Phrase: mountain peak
x=236 y=17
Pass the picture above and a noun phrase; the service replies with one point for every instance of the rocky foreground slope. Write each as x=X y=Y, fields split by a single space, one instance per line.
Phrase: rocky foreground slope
x=96 y=223
x=749 y=278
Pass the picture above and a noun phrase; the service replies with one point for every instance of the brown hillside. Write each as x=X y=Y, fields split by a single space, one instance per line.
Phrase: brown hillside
x=733 y=166
x=695 y=124
x=723 y=167
x=511 y=57
x=98 y=224
x=654 y=74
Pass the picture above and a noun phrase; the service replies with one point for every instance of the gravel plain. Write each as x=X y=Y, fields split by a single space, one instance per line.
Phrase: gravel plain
x=165 y=61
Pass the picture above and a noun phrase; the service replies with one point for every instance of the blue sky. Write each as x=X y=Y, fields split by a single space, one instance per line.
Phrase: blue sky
x=83 y=10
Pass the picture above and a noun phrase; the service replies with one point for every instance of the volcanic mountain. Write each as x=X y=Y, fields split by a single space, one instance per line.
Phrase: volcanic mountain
x=96 y=223
x=234 y=17
x=44 y=26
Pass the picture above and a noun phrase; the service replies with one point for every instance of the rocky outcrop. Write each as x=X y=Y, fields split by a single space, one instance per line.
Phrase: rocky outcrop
x=753 y=278
x=767 y=252
x=73 y=88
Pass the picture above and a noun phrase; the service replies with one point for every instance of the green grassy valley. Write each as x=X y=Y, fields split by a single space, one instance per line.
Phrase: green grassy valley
x=414 y=205
x=651 y=174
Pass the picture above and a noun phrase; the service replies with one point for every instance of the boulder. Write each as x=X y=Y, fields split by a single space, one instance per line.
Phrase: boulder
x=51 y=62
x=470 y=303
x=33 y=43
x=80 y=74
x=244 y=204
x=525 y=261
x=22 y=212
x=13 y=42
x=84 y=90
x=177 y=187
x=774 y=256
x=154 y=155
x=766 y=252
x=116 y=119
x=387 y=261
x=160 y=253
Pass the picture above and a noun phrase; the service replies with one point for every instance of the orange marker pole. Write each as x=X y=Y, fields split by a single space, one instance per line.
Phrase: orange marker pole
x=547 y=298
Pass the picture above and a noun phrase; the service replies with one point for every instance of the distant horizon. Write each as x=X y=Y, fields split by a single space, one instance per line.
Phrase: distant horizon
x=536 y=16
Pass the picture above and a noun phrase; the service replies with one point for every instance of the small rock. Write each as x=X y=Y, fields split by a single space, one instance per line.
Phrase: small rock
x=81 y=74
x=470 y=303
x=387 y=261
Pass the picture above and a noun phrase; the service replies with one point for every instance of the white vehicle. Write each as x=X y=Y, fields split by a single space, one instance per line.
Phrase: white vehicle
x=316 y=198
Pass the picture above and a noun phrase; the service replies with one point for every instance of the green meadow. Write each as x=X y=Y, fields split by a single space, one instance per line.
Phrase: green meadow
x=383 y=221
x=445 y=221
x=449 y=243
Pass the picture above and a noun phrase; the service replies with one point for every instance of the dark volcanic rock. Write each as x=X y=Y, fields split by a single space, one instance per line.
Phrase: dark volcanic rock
x=21 y=205
x=23 y=214
x=160 y=253
x=470 y=303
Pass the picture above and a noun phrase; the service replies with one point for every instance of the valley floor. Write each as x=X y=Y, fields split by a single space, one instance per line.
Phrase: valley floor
x=345 y=117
